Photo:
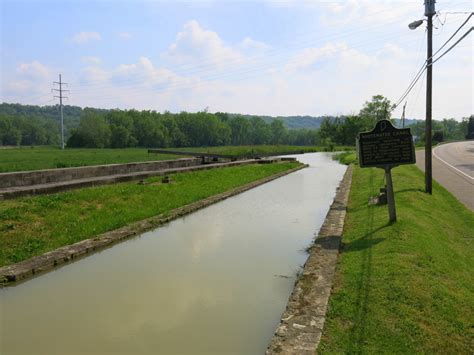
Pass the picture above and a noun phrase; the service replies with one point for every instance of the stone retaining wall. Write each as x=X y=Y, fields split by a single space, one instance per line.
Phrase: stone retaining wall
x=301 y=325
x=48 y=261
x=37 y=177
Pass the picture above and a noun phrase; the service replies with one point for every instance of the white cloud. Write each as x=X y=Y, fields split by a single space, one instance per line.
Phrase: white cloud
x=19 y=86
x=309 y=56
x=29 y=79
x=145 y=72
x=368 y=12
x=200 y=69
x=251 y=44
x=95 y=74
x=91 y=60
x=85 y=37
x=34 y=70
x=125 y=36
x=195 y=44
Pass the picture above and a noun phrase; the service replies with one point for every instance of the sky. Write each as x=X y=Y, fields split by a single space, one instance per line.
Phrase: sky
x=264 y=57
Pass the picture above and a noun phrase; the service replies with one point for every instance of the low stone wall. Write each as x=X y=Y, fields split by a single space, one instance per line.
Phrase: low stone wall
x=48 y=261
x=301 y=325
x=38 y=177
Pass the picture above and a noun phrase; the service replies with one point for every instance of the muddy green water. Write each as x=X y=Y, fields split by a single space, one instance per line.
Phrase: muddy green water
x=213 y=282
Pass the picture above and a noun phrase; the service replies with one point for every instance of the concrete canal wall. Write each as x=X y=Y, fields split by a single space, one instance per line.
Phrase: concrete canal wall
x=47 y=176
x=189 y=165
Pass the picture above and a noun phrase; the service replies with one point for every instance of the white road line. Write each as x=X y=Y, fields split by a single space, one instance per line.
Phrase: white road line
x=444 y=161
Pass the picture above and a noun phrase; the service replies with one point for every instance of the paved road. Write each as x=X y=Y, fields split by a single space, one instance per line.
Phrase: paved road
x=453 y=167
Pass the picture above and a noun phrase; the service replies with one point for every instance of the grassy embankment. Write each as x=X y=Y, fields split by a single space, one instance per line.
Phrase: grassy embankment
x=258 y=149
x=407 y=287
x=35 y=158
x=34 y=225
x=27 y=158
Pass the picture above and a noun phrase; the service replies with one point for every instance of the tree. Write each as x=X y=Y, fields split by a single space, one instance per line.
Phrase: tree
x=9 y=134
x=350 y=128
x=375 y=110
x=240 y=128
x=93 y=132
x=259 y=131
x=278 y=132
x=148 y=129
x=438 y=136
x=470 y=128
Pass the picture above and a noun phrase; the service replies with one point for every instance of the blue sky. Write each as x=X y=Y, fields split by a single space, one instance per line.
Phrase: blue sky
x=284 y=57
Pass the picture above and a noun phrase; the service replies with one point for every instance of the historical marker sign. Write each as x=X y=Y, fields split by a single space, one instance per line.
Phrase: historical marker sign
x=385 y=146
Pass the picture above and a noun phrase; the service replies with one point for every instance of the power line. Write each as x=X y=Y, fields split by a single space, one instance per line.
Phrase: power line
x=454 y=34
x=410 y=86
x=455 y=12
x=239 y=72
x=418 y=92
x=454 y=45
x=424 y=66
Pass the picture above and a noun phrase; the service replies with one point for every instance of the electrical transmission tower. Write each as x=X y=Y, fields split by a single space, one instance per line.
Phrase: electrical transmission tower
x=61 y=97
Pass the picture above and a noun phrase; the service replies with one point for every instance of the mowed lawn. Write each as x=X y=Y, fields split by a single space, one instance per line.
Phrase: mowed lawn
x=34 y=225
x=36 y=158
x=256 y=149
x=405 y=288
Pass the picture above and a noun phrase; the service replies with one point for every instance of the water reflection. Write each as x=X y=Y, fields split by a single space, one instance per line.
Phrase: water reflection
x=203 y=284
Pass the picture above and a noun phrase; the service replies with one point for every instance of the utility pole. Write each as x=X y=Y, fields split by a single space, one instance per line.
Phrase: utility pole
x=429 y=12
x=61 y=97
x=403 y=115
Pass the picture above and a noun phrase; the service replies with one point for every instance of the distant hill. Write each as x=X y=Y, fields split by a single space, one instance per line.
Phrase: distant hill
x=313 y=122
x=292 y=122
x=408 y=122
x=72 y=115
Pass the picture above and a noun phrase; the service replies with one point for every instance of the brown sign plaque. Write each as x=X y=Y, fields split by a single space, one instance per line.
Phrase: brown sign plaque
x=385 y=146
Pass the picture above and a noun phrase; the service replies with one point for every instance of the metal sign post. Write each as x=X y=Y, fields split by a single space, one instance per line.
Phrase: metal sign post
x=392 y=212
x=386 y=147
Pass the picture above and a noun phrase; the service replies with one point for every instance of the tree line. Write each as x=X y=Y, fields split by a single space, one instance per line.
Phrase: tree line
x=131 y=128
x=97 y=128
x=343 y=130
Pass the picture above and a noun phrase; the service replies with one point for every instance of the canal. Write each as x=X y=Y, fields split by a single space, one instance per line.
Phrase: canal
x=213 y=282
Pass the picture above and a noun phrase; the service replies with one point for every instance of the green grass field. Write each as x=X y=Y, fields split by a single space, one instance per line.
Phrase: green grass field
x=404 y=288
x=36 y=158
x=34 y=225
x=256 y=149
x=22 y=159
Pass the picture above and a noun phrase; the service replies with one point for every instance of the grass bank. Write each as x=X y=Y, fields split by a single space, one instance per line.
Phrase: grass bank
x=35 y=158
x=34 y=225
x=347 y=157
x=257 y=149
x=408 y=287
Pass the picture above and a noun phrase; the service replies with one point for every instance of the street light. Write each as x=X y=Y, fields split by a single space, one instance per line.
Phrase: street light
x=415 y=24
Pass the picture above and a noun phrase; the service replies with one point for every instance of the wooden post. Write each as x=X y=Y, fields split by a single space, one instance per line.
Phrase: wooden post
x=390 y=196
x=429 y=12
